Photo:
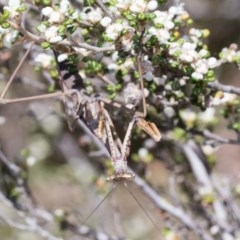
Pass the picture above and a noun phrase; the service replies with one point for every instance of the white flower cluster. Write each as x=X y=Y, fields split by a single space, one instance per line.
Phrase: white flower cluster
x=231 y=54
x=12 y=8
x=125 y=66
x=189 y=117
x=91 y=15
x=196 y=34
x=223 y=98
x=136 y=6
x=55 y=17
x=114 y=29
x=208 y=116
x=205 y=118
x=186 y=52
x=8 y=36
x=164 y=22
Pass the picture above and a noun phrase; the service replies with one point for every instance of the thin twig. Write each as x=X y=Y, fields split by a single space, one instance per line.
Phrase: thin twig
x=30 y=224
x=65 y=42
x=204 y=180
x=219 y=139
x=162 y=204
x=4 y=92
x=84 y=231
x=224 y=88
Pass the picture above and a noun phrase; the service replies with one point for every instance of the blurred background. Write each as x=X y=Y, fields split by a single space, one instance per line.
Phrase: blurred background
x=222 y=18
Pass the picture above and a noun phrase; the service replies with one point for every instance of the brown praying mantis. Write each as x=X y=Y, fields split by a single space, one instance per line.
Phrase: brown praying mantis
x=91 y=110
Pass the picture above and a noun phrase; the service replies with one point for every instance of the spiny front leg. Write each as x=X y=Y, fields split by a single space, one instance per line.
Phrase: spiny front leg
x=149 y=127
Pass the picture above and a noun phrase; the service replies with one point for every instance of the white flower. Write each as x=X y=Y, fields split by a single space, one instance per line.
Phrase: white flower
x=146 y=92
x=123 y=4
x=168 y=87
x=197 y=75
x=152 y=5
x=187 y=57
x=64 y=6
x=188 y=52
x=182 y=81
x=59 y=212
x=128 y=64
x=12 y=7
x=114 y=30
x=106 y=21
x=138 y=6
x=203 y=52
x=169 y=112
x=14 y=4
x=47 y=11
x=115 y=56
x=212 y=62
x=10 y=38
x=3 y=31
x=177 y=10
x=148 y=76
x=228 y=54
x=207 y=116
x=55 y=39
x=31 y=160
x=169 y=25
x=55 y=17
x=7 y=40
x=163 y=35
x=205 y=190
x=112 y=66
x=76 y=15
x=214 y=229
x=195 y=32
x=51 y=34
x=163 y=18
x=188 y=116
x=44 y=59
x=201 y=66
x=224 y=98
x=174 y=48
x=41 y=28
x=142 y=153
x=209 y=149
x=189 y=46
x=95 y=15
